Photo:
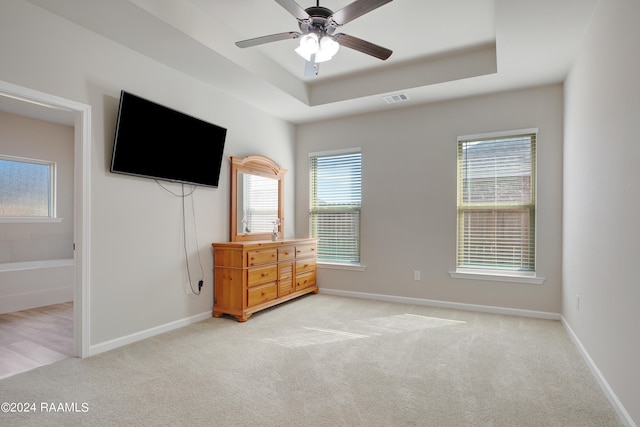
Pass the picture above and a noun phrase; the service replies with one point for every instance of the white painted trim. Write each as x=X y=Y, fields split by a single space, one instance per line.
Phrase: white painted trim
x=338 y=266
x=336 y=152
x=34 y=265
x=497 y=277
x=28 y=219
x=82 y=201
x=82 y=229
x=499 y=134
x=606 y=388
x=139 y=336
x=445 y=304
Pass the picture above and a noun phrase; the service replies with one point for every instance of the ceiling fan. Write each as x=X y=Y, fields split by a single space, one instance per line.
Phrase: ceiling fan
x=318 y=40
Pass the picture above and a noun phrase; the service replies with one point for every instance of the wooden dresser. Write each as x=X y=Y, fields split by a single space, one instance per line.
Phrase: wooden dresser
x=250 y=276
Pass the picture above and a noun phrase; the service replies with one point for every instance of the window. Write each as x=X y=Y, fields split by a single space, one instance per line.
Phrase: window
x=334 y=217
x=27 y=188
x=497 y=202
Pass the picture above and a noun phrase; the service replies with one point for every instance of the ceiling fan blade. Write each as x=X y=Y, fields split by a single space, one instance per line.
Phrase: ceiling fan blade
x=268 y=39
x=362 y=46
x=354 y=10
x=295 y=9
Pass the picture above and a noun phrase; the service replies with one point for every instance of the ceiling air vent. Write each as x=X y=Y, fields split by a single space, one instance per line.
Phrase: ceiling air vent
x=398 y=97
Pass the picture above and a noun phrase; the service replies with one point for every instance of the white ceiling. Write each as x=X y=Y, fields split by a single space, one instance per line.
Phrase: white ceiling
x=442 y=49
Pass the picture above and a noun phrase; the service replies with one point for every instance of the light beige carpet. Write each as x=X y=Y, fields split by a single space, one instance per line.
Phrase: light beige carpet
x=327 y=361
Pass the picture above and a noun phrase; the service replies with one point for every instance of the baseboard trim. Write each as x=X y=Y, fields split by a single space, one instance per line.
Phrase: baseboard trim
x=139 y=336
x=444 y=304
x=608 y=391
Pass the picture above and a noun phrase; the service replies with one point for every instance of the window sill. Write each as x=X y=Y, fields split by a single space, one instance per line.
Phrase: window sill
x=338 y=266
x=495 y=276
x=28 y=220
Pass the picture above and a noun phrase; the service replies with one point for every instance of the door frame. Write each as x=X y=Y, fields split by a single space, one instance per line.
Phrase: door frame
x=81 y=202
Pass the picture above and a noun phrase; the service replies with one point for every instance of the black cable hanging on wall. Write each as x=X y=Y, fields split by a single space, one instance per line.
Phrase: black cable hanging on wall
x=184 y=235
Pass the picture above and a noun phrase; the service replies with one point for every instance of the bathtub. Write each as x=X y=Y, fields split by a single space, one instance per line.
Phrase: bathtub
x=30 y=284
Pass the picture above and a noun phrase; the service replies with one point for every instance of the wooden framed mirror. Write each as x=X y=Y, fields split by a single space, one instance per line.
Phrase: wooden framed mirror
x=257 y=198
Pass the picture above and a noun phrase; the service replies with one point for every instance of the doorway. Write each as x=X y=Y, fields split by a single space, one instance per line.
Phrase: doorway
x=28 y=102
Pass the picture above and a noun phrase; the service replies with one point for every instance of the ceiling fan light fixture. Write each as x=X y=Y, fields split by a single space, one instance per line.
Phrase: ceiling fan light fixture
x=308 y=46
x=328 y=48
x=323 y=50
x=317 y=24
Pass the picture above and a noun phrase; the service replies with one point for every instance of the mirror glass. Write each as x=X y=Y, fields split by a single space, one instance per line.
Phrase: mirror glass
x=257 y=203
x=257 y=194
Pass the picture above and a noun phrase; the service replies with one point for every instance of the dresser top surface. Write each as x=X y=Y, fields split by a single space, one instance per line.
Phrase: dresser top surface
x=264 y=243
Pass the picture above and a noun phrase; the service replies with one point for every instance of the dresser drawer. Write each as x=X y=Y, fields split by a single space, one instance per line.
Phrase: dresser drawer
x=261 y=294
x=305 y=280
x=260 y=275
x=261 y=256
x=305 y=250
x=304 y=265
x=251 y=276
x=286 y=253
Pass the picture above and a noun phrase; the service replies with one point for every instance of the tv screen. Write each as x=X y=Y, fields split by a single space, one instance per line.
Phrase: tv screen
x=157 y=142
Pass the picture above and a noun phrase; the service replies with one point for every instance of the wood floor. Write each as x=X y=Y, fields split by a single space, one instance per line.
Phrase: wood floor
x=35 y=337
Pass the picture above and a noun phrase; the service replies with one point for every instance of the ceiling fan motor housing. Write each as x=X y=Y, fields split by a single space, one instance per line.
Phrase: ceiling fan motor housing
x=318 y=22
x=319 y=11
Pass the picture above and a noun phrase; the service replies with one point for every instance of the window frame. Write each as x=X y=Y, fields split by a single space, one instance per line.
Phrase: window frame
x=497 y=274
x=52 y=205
x=326 y=263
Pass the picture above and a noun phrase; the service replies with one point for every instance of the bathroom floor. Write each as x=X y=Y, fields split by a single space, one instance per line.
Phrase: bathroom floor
x=35 y=337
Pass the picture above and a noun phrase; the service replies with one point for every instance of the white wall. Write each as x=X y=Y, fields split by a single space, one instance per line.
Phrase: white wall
x=409 y=196
x=36 y=139
x=24 y=283
x=602 y=198
x=137 y=268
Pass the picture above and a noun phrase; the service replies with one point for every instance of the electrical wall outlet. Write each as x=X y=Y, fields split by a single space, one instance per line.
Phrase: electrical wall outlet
x=416 y=275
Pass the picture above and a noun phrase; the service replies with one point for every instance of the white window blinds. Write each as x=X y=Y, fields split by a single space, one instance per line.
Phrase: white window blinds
x=336 y=187
x=261 y=209
x=496 y=203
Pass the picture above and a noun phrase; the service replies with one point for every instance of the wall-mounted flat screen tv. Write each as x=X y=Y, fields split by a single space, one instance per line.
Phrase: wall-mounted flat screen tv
x=157 y=142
